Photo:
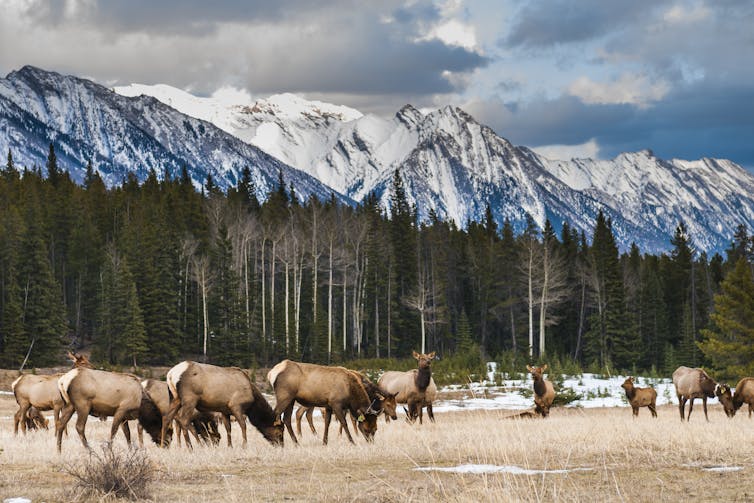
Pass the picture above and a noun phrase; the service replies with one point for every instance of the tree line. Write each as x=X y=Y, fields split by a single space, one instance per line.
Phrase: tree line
x=149 y=272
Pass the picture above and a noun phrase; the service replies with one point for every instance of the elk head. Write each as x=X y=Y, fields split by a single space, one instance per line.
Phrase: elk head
x=367 y=420
x=425 y=360
x=274 y=433
x=79 y=360
x=628 y=383
x=723 y=393
x=536 y=372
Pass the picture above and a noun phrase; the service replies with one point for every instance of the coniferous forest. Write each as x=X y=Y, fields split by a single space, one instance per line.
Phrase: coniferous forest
x=147 y=273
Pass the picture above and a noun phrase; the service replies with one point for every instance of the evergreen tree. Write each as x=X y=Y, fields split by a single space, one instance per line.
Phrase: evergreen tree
x=729 y=342
x=53 y=171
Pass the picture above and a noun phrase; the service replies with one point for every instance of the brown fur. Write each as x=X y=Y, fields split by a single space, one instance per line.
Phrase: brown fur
x=744 y=394
x=386 y=402
x=103 y=394
x=640 y=397
x=41 y=392
x=691 y=383
x=412 y=387
x=335 y=388
x=35 y=420
x=544 y=393
x=227 y=390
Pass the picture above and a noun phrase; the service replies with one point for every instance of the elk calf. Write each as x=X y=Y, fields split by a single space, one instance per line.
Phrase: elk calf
x=544 y=393
x=640 y=397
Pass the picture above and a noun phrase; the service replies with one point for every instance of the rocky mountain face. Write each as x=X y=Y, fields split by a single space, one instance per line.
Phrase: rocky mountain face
x=121 y=134
x=450 y=163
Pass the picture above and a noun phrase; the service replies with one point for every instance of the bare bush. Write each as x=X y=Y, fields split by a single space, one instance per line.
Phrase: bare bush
x=114 y=472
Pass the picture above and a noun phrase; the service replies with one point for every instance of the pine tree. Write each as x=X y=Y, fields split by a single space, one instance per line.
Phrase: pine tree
x=53 y=171
x=729 y=342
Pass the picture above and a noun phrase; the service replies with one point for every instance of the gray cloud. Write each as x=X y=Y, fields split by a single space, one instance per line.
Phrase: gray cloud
x=544 y=23
x=698 y=121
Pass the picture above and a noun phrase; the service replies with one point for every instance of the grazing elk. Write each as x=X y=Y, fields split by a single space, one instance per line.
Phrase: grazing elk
x=41 y=392
x=640 y=397
x=35 y=420
x=412 y=387
x=690 y=384
x=744 y=394
x=385 y=401
x=204 y=423
x=104 y=394
x=544 y=393
x=227 y=390
x=337 y=389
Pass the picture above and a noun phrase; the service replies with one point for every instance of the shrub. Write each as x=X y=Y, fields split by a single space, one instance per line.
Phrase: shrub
x=113 y=472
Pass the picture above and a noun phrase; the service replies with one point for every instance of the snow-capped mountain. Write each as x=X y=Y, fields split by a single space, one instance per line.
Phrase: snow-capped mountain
x=122 y=134
x=455 y=166
x=449 y=162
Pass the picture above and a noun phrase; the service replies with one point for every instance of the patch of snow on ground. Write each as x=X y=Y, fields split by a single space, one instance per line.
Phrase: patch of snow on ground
x=481 y=469
x=516 y=394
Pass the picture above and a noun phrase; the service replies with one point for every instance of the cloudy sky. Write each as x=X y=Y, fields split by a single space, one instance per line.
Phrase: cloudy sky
x=568 y=77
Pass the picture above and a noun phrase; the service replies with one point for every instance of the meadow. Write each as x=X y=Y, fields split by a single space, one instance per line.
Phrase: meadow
x=577 y=454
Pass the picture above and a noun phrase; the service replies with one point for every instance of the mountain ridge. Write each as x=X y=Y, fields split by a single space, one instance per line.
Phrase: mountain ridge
x=451 y=164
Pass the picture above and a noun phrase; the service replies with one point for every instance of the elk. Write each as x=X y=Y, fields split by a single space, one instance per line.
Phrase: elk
x=35 y=420
x=640 y=397
x=385 y=400
x=41 y=392
x=104 y=394
x=430 y=396
x=412 y=387
x=227 y=390
x=544 y=393
x=204 y=423
x=337 y=389
x=744 y=393
x=690 y=384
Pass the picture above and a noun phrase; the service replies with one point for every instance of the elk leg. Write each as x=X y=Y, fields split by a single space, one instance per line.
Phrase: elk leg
x=691 y=407
x=126 y=432
x=83 y=414
x=299 y=414
x=430 y=413
x=751 y=406
x=226 y=423
x=328 y=417
x=310 y=419
x=681 y=405
x=704 y=406
x=20 y=417
x=344 y=423
x=287 y=414
x=652 y=410
x=238 y=414
x=62 y=423
x=175 y=405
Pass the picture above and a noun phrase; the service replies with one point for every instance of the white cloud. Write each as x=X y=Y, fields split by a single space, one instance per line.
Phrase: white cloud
x=454 y=32
x=589 y=149
x=685 y=14
x=229 y=96
x=627 y=89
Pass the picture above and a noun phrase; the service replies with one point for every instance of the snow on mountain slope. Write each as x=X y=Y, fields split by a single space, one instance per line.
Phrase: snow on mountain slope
x=121 y=135
x=450 y=163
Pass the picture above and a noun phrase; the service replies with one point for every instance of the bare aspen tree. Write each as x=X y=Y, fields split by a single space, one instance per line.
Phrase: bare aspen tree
x=553 y=287
x=202 y=274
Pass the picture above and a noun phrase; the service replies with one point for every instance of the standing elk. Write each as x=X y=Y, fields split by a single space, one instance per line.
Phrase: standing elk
x=104 y=394
x=227 y=390
x=205 y=423
x=385 y=401
x=411 y=388
x=41 y=392
x=744 y=394
x=640 y=397
x=430 y=395
x=690 y=384
x=335 y=388
x=544 y=393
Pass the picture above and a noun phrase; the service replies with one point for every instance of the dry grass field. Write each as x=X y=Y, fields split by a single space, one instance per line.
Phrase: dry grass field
x=614 y=458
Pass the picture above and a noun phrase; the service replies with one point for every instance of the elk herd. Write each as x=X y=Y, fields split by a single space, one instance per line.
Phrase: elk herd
x=196 y=398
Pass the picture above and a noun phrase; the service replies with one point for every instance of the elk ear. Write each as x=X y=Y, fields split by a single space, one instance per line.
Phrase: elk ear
x=544 y=367
x=415 y=354
x=277 y=422
x=380 y=397
x=71 y=356
x=528 y=367
x=431 y=356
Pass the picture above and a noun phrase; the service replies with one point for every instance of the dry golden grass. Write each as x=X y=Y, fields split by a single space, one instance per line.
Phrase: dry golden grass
x=631 y=460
